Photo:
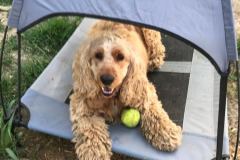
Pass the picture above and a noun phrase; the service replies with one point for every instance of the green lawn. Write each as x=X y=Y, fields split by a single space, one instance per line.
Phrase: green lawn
x=5 y=2
x=39 y=46
x=1 y=27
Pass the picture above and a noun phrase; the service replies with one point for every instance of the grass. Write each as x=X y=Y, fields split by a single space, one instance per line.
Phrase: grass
x=50 y=36
x=5 y=2
x=233 y=73
x=39 y=45
x=1 y=27
x=238 y=46
x=42 y=43
x=7 y=139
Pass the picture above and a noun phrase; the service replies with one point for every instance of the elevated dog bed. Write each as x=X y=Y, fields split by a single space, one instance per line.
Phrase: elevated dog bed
x=176 y=85
x=191 y=86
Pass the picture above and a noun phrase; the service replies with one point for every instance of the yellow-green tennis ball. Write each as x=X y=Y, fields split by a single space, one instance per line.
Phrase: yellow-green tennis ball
x=130 y=117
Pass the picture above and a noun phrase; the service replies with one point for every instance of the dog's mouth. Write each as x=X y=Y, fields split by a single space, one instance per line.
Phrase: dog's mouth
x=108 y=92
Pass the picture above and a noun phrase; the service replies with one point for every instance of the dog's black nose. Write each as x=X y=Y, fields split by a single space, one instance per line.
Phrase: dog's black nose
x=107 y=79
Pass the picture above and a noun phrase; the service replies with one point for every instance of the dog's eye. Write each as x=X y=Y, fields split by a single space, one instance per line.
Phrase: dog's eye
x=99 y=55
x=119 y=57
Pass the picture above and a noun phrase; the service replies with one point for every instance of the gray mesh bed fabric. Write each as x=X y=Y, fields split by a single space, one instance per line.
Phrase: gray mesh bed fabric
x=208 y=24
x=49 y=113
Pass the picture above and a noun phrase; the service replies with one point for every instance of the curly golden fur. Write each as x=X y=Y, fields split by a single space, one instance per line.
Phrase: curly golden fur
x=110 y=73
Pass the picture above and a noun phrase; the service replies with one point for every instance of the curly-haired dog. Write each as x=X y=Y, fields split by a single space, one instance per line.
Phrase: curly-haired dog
x=110 y=73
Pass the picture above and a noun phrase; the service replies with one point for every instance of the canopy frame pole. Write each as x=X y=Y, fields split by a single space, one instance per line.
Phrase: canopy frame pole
x=221 y=115
x=1 y=65
x=18 y=116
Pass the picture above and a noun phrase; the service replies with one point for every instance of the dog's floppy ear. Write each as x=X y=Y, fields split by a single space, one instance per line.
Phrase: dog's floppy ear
x=155 y=48
x=133 y=88
x=83 y=79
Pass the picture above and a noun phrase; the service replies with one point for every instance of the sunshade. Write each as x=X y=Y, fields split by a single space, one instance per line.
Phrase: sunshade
x=208 y=24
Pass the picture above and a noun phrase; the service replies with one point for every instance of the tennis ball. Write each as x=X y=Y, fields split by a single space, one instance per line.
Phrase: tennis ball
x=130 y=117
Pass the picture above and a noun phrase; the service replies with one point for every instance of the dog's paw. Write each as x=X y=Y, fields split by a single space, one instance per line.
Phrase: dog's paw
x=168 y=141
x=93 y=150
x=163 y=135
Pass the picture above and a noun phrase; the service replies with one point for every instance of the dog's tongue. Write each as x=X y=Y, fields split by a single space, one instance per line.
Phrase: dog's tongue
x=107 y=91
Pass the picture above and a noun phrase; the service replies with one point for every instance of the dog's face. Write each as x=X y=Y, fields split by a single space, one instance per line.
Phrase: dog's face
x=109 y=62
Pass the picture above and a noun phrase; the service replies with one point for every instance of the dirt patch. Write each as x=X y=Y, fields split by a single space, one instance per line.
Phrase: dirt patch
x=38 y=146
x=232 y=95
x=232 y=117
x=236 y=11
x=3 y=20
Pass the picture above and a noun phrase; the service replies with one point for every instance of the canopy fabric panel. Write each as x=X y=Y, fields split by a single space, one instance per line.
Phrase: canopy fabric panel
x=206 y=24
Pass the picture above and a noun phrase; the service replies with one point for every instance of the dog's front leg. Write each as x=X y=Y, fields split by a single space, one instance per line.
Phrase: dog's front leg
x=91 y=136
x=91 y=139
x=156 y=125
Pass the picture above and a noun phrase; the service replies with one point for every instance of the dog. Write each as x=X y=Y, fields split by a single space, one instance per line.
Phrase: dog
x=110 y=73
